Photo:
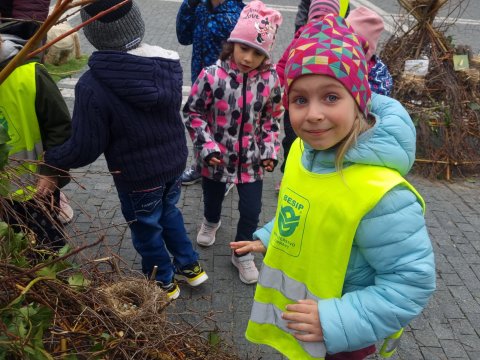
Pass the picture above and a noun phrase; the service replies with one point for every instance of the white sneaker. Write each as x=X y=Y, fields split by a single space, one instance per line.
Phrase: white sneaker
x=246 y=268
x=206 y=235
x=228 y=188
x=65 y=215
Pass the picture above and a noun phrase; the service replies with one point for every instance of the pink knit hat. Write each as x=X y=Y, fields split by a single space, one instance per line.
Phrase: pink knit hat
x=330 y=47
x=257 y=27
x=319 y=8
x=368 y=24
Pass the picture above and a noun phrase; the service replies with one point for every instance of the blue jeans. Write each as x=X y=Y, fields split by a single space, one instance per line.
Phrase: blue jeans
x=157 y=228
x=249 y=205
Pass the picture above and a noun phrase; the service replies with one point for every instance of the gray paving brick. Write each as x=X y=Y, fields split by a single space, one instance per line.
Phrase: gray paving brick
x=443 y=331
x=453 y=349
x=433 y=353
x=426 y=337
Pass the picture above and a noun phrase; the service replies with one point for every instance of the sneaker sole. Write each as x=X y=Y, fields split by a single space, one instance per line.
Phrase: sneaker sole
x=206 y=244
x=174 y=295
x=242 y=279
x=229 y=188
x=191 y=182
x=197 y=280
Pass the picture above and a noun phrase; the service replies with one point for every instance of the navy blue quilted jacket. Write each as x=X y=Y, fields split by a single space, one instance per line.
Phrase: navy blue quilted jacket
x=206 y=28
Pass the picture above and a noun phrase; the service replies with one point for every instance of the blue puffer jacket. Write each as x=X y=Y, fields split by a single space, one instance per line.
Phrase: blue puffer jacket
x=391 y=272
x=207 y=29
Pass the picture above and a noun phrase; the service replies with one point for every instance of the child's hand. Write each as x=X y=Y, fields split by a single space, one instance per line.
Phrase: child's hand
x=268 y=165
x=244 y=247
x=304 y=318
x=214 y=161
x=46 y=185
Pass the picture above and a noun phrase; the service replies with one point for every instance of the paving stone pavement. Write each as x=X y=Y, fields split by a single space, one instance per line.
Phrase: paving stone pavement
x=449 y=328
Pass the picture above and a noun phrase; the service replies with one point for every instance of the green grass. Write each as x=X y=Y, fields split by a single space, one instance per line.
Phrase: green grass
x=68 y=69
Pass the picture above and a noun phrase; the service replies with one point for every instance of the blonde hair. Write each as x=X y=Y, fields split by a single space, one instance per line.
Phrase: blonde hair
x=360 y=125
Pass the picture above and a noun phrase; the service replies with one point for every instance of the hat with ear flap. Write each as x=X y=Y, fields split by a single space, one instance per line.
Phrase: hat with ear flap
x=331 y=47
x=122 y=29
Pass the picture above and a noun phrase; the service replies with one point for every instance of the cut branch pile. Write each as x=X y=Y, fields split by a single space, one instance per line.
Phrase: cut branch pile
x=445 y=104
x=52 y=309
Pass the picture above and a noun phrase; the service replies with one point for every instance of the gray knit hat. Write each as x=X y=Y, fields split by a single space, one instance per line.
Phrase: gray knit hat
x=120 y=30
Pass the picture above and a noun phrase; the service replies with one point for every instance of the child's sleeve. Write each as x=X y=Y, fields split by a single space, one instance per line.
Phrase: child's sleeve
x=272 y=113
x=52 y=114
x=380 y=79
x=221 y=24
x=263 y=234
x=394 y=241
x=196 y=111
x=280 y=67
x=90 y=133
x=185 y=24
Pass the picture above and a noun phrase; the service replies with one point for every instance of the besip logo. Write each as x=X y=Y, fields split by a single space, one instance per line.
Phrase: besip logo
x=288 y=221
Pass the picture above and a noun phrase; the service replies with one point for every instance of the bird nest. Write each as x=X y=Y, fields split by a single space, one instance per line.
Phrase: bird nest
x=134 y=298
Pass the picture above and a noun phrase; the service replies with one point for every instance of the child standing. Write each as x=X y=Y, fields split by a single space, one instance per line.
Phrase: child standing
x=33 y=112
x=127 y=106
x=232 y=116
x=348 y=258
x=206 y=25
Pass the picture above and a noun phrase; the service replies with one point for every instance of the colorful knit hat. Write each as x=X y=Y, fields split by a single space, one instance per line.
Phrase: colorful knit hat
x=257 y=27
x=330 y=47
x=121 y=30
x=369 y=24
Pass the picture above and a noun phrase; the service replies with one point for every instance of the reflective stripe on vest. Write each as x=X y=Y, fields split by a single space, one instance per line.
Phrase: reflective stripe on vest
x=316 y=221
x=18 y=116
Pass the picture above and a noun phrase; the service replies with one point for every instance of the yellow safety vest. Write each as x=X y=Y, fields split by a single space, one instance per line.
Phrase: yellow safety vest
x=18 y=116
x=316 y=221
x=343 y=7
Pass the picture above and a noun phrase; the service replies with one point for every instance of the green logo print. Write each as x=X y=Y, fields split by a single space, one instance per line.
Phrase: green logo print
x=3 y=120
x=287 y=221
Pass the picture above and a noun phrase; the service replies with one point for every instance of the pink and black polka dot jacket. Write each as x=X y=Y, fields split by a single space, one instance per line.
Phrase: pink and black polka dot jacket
x=234 y=116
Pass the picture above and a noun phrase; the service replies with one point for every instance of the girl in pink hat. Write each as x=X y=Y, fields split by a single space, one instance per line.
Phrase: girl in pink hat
x=232 y=116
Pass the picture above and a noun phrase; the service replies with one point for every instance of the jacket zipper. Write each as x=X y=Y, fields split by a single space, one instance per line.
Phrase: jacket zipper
x=240 y=134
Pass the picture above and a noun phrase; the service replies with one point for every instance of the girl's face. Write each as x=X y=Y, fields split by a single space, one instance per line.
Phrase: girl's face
x=322 y=111
x=246 y=57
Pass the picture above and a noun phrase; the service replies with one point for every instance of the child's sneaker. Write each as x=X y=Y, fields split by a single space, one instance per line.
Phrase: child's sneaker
x=190 y=176
x=247 y=270
x=65 y=215
x=193 y=274
x=172 y=289
x=228 y=188
x=206 y=235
